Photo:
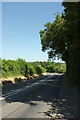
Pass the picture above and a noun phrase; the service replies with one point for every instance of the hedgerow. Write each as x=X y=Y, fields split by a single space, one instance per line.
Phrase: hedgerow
x=20 y=67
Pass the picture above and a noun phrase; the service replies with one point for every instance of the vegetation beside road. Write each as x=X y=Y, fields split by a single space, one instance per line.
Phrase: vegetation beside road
x=20 y=67
x=52 y=67
x=12 y=69
x=61 y=39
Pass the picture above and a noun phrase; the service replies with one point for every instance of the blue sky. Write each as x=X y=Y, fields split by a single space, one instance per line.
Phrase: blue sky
x=21 y=24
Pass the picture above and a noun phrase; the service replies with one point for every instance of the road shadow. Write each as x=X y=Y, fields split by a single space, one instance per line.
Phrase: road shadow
x=48 y=91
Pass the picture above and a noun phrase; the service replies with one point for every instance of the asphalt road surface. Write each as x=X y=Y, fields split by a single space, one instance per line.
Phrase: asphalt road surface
x=45 y=97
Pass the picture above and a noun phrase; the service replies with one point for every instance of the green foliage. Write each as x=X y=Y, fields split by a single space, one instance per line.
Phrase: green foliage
x=62 y=39
x=73 y=37
x=8 y=68
x=40 y=69
x=20 y=67
x=52 y=37
x=31 y=69
x=54 y=67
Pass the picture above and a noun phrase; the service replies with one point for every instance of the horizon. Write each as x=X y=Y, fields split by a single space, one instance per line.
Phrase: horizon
x=21 y=27
x=55 y=61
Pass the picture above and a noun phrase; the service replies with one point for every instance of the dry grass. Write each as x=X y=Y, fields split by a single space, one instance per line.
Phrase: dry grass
x=9 y=80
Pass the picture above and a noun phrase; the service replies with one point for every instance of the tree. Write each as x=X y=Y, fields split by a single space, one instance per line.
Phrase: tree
x=62 y=38
x=53 y=39
x=72 y=17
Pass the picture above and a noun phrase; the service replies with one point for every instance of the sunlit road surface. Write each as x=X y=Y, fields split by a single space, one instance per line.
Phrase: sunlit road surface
x=41 y=98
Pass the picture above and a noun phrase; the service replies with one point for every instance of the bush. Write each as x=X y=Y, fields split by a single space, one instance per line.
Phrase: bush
x=40 y=69
x=54 y=67
x=32 y=70
x=21 y=67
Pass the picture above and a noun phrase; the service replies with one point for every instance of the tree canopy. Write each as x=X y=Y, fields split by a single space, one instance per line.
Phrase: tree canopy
x=61 y=38
x=53 y=38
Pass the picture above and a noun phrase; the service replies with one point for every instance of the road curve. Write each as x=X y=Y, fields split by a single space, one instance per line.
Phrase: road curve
x=40 y=98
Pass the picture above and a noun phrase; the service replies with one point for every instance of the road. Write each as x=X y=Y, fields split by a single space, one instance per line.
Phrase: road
x=40 y=98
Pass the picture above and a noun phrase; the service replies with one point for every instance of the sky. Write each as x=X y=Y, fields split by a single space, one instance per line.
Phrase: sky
x=21 y=24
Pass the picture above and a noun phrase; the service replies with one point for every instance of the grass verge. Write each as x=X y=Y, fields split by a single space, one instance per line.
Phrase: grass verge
x=10 y=80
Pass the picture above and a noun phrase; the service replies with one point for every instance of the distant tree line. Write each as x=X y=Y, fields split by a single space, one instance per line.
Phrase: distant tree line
x=21 y=67
x=52 y=67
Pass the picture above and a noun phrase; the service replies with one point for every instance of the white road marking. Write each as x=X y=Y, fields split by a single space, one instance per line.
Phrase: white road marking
x=1 y=98
x=17 y=91
x=21 y=89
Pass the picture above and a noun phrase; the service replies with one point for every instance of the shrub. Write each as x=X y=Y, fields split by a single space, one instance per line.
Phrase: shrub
x=40 y=69
x=32 y=70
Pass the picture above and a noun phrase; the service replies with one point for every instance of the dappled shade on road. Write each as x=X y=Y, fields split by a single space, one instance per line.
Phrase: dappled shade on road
x=48 y=92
